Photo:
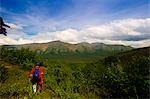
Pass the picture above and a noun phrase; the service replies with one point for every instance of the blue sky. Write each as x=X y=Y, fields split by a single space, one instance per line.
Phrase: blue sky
x=43 y=16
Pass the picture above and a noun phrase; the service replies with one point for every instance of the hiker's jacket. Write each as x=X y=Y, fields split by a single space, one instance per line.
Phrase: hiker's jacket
x=40 y=73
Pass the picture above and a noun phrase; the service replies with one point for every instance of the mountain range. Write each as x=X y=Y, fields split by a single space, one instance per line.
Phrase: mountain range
x=59 y=48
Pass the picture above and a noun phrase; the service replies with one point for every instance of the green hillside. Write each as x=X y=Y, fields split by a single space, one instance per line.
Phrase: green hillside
x=59 y=50
x=128 y=73
x=124 y=75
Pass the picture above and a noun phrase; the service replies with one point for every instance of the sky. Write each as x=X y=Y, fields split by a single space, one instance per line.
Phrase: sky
x=125 y=22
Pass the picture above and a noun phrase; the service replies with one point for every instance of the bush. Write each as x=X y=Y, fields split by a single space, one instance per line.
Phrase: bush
x=127 y=80
x=3 y=74
x=16 y=84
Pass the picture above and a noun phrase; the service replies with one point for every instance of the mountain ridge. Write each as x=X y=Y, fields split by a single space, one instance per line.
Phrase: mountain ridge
x=73 y=47
x=58 y=41
x=60 y=49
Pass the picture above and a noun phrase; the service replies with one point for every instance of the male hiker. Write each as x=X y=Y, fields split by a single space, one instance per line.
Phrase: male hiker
x=36 y=76
x=2 y=29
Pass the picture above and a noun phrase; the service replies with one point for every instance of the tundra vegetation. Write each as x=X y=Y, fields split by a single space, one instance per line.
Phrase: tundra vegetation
x=123 y=75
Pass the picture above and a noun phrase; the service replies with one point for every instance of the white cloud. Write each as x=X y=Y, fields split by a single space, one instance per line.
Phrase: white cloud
x=69 y=35
x=136 y=44
x=119 y=29
x=16 y=31
x=8 y=40
x=14 y=26
x=130 y=32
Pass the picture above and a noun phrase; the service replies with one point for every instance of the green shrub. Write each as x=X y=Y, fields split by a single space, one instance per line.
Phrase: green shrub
x=16 y=85
x=3 y=74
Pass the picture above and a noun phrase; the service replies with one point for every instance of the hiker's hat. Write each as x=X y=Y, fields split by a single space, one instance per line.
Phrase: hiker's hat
x=38 y=64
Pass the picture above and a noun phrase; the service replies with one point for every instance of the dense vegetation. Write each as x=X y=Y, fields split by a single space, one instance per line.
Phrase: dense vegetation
x=58 y=50
x=125 y=75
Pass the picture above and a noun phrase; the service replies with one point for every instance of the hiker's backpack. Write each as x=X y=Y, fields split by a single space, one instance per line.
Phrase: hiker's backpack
x=36 y=73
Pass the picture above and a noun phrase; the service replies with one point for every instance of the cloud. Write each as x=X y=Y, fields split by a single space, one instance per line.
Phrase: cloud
x=69 y=14
x=14 y=26
x=68 y=35
x=8 y=41
x=137 y=44
x=121 y=30
x=131 y=32
x=16 y=31
x=134 y=32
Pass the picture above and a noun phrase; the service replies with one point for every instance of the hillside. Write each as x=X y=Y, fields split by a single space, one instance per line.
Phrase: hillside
x=58 y=48
x=124 y=75
x=130 y=72
x=130 y=56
